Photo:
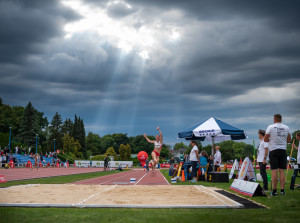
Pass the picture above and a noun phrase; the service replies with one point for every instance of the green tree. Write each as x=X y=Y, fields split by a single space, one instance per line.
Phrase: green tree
x=55 y=130
x=67 y=126
x=180 y=145
x=29 y=126
x=93 y=142
x=78 y=133
x=122 y=152
x=139 y=143
x=70 y=145
x=111 y=152
x=227 y=150
x=106 y=142
x=119 y=138
x=127 y=152
x=164 y=153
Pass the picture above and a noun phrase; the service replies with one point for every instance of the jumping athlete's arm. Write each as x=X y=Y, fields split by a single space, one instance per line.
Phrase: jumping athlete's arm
x=150 y=141
x=161 y=137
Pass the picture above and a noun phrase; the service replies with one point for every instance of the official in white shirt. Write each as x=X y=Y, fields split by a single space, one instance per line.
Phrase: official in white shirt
x=217 y=158
x=194 y=158
x=262 y=152
x=277 y=135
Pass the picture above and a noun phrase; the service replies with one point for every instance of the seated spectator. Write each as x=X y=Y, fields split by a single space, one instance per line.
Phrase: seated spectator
x=203 y=160
x=211 y=163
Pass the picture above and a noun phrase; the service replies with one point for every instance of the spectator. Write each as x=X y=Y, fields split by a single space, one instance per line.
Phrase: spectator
x=194 y=158
x=277 y=135
x=4 y=158
x=172 y=161
x=217 y=158
x=203 y=160
x=298 y=148
x=261 y=153
x=106 y=160
x=211 y=163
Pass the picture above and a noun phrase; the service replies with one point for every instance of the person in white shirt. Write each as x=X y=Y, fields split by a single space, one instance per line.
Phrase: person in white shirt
x=194 y=158
x=261 y=153
x=298 y=148
x=217 y=158
x=277 y=135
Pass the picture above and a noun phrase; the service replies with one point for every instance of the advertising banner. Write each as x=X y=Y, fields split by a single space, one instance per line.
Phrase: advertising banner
x=234 y=167
x=244 y=169
x=112 y=164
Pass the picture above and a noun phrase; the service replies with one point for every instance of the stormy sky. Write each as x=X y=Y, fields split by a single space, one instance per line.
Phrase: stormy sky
x=128 y=66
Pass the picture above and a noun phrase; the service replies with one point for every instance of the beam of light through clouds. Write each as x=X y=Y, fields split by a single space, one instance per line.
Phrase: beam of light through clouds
x=128 y=66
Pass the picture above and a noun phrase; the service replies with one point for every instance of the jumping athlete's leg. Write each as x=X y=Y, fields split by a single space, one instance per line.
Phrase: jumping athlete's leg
x=154 y=160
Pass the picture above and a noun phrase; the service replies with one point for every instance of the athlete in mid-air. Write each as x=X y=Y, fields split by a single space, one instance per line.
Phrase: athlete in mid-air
x=157 y=148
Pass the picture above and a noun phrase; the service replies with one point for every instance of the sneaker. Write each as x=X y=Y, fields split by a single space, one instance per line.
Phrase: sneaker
x=282 y=192
x=193 y=181
x=274 y=193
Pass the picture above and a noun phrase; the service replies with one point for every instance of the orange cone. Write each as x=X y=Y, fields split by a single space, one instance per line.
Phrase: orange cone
x=182 y=177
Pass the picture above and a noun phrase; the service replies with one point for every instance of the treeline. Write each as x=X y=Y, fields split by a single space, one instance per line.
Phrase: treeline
x=28 y=126
x=67 y=136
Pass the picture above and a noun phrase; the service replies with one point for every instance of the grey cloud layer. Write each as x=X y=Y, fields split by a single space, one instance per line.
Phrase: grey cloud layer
x=224 y=50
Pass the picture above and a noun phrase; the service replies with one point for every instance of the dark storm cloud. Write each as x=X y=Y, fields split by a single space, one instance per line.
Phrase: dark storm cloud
x=280 y=14
x=26 y=25
x=229 y=56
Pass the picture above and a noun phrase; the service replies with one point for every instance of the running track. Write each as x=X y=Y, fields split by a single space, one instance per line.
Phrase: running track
x=27 y=173
x=123 y=178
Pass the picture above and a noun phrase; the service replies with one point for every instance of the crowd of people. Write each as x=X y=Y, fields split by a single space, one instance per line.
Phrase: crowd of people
x=6 y=156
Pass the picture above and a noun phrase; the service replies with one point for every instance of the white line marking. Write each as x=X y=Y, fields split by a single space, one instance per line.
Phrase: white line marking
x=117 y=177
x=165 y=179
x=221 y=195
x=212 y=194
x=141 y=178
x=93 y=195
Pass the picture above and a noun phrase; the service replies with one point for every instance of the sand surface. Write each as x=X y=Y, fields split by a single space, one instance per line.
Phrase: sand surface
x=112 y=195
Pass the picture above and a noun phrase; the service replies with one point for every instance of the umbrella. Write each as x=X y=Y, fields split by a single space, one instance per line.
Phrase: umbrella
x=212 y=130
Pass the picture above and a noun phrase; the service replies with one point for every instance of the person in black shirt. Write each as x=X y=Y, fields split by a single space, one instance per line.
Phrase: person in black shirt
x=106 y=162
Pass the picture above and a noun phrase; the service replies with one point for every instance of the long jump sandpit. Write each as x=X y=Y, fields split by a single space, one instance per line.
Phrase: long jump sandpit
x=113 y=196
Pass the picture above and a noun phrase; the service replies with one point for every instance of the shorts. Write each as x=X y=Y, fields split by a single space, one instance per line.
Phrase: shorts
x=157 y=154
x=278 y=159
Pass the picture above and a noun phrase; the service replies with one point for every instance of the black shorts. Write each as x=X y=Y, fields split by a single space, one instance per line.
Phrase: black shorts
x=278 y=159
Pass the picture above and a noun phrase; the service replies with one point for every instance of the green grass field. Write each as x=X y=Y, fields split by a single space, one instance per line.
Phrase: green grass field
x=281 y=208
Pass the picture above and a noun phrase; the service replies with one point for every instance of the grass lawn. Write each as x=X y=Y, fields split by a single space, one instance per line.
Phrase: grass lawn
x=281 y=209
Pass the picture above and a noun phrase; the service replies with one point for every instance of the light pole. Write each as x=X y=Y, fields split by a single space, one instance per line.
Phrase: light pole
x=36 y=142
x=54 y=145
x=9 y=138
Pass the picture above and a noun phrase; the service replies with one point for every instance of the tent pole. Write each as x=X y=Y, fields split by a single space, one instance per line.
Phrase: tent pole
x=212 y=151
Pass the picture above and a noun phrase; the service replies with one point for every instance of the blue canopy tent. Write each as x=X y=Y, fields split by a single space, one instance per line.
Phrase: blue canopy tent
x=213 y=130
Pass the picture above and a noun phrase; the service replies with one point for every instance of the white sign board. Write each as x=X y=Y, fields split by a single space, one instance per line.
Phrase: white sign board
x=247 y=188
x=235 y=166
x=113 y=164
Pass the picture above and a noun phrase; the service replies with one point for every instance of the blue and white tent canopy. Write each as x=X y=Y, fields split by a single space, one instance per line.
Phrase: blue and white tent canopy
x=212 y=128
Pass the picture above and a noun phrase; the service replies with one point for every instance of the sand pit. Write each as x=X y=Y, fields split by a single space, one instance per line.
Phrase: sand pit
x=67 y=195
